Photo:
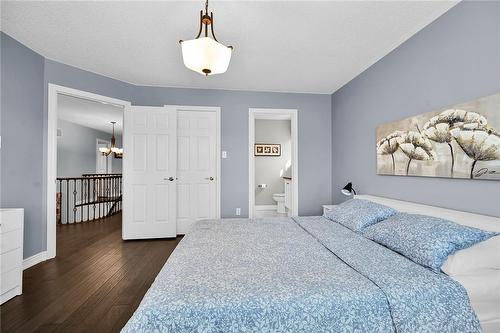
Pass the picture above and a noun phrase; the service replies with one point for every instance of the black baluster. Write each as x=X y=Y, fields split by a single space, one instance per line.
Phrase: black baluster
x=116 y=195
x=93 y=198
x=106 y=181
x=88 y=199
x=67 y=201
x=59 y=203
x=99 y=195
x=82 y=199
x=74 y=201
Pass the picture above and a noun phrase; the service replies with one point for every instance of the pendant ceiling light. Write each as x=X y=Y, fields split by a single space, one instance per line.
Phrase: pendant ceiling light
x=206 y=55
x=117 y=152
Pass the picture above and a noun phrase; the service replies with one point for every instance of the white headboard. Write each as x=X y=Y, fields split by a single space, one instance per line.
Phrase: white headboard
x=483 y=222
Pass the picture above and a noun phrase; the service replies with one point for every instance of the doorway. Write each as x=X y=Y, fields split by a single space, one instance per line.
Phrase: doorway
x=57 y=96
x=273 y=167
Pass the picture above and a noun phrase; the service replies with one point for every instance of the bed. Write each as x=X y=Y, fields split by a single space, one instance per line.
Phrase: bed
x=303 y=274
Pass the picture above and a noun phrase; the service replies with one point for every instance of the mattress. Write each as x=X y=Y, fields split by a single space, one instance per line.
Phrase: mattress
x=296 y=275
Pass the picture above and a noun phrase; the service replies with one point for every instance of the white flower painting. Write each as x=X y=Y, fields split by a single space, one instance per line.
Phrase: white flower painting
x=462 y=141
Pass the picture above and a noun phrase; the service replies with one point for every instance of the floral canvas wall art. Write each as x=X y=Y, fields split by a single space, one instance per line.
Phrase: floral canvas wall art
x=461 y=141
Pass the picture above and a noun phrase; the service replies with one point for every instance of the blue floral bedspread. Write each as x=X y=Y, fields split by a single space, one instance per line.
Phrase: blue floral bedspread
x=303 y=275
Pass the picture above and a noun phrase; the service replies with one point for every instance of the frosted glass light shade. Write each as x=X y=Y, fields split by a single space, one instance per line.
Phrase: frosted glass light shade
x=103 y=150
x=205 y=56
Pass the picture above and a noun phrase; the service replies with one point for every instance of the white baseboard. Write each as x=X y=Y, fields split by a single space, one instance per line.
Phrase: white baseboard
x=266 y=207
x=35 y=259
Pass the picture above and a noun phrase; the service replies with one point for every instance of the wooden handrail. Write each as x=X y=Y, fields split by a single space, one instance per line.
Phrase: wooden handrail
x=90 y=177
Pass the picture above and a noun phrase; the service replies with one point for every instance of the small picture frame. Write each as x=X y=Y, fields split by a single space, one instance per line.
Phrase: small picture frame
x=267 y=149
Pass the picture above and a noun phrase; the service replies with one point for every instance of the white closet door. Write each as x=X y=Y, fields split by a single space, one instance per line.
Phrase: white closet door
x=196 y=167
x=149 y=172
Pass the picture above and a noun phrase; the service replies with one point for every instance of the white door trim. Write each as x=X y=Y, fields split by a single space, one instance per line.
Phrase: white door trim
x=51 y=144
x=217 y=110
x=273 y=114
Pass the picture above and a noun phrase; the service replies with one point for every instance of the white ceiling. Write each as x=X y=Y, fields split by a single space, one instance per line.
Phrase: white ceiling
x=91 y=114
x=294 y=46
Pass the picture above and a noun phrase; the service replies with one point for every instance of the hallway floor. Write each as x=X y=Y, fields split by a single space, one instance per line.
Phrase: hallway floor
x=94 y=284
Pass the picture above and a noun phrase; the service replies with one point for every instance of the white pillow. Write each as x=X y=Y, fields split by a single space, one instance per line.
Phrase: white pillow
x=482 y=256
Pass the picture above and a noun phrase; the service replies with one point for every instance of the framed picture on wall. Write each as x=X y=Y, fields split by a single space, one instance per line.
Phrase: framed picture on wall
x=265 y=149
x=458 y=141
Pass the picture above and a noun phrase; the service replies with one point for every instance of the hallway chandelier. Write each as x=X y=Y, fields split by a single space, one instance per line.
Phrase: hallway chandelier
x=206 y=55
x=117 y=152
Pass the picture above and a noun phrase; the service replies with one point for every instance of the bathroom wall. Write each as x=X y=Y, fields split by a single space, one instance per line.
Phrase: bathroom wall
x=270 y=169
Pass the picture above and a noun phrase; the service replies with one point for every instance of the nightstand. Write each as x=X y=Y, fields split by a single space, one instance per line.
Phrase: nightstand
x=326 y=208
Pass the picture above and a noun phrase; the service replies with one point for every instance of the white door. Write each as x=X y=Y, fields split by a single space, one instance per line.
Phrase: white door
x=149 y=172
x=196 y=167
x=103 y=162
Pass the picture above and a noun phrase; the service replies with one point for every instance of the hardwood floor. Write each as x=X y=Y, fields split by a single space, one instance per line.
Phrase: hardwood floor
x=94 y=284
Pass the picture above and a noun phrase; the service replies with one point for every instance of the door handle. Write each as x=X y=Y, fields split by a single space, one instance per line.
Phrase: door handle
x=210 y=178
x=169 y=178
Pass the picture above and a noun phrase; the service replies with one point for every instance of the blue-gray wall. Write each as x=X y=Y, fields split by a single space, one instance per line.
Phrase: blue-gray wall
x=314 y=119
x=454 y=59
x=314 y=113
x=314 y=135
x=22 y=117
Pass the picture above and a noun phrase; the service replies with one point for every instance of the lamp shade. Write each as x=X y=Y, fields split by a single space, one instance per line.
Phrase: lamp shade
x=205 y=55
x=348 y=189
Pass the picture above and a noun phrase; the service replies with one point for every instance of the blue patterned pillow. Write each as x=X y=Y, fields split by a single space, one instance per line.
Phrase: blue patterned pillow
x=423 y=239
x=357 y=214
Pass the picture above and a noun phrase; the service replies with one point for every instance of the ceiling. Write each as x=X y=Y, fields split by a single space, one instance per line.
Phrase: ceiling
x=292 y=46
x=91 y=114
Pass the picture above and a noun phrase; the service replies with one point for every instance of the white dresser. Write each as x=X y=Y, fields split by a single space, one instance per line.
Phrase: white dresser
x=11 y=253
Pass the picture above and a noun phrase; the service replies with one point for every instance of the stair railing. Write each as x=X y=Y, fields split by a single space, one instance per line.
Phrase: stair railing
x=88 y=198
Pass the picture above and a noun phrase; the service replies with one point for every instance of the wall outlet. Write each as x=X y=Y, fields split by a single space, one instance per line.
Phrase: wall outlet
x=238 y=211
x=224 y=154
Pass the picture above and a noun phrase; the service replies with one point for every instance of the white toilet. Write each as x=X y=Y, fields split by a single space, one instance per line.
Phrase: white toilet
x=280 y=200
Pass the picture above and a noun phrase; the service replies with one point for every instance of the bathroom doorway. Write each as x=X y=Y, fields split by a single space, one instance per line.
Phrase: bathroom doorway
x=273 y=174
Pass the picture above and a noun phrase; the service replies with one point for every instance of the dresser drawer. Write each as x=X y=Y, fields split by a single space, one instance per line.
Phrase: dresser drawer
x=11 y=279
x=11 y=240
x=11 y=219
x=11 y=260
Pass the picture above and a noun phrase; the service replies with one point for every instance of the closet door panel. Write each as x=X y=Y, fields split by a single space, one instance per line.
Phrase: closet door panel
x=149 y=172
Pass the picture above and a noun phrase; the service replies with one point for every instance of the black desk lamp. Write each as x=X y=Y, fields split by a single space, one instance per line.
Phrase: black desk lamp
x=348 y=190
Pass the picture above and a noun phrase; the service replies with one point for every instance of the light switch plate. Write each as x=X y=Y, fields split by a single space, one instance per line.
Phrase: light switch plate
x=224 y=154
x=238 y=211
